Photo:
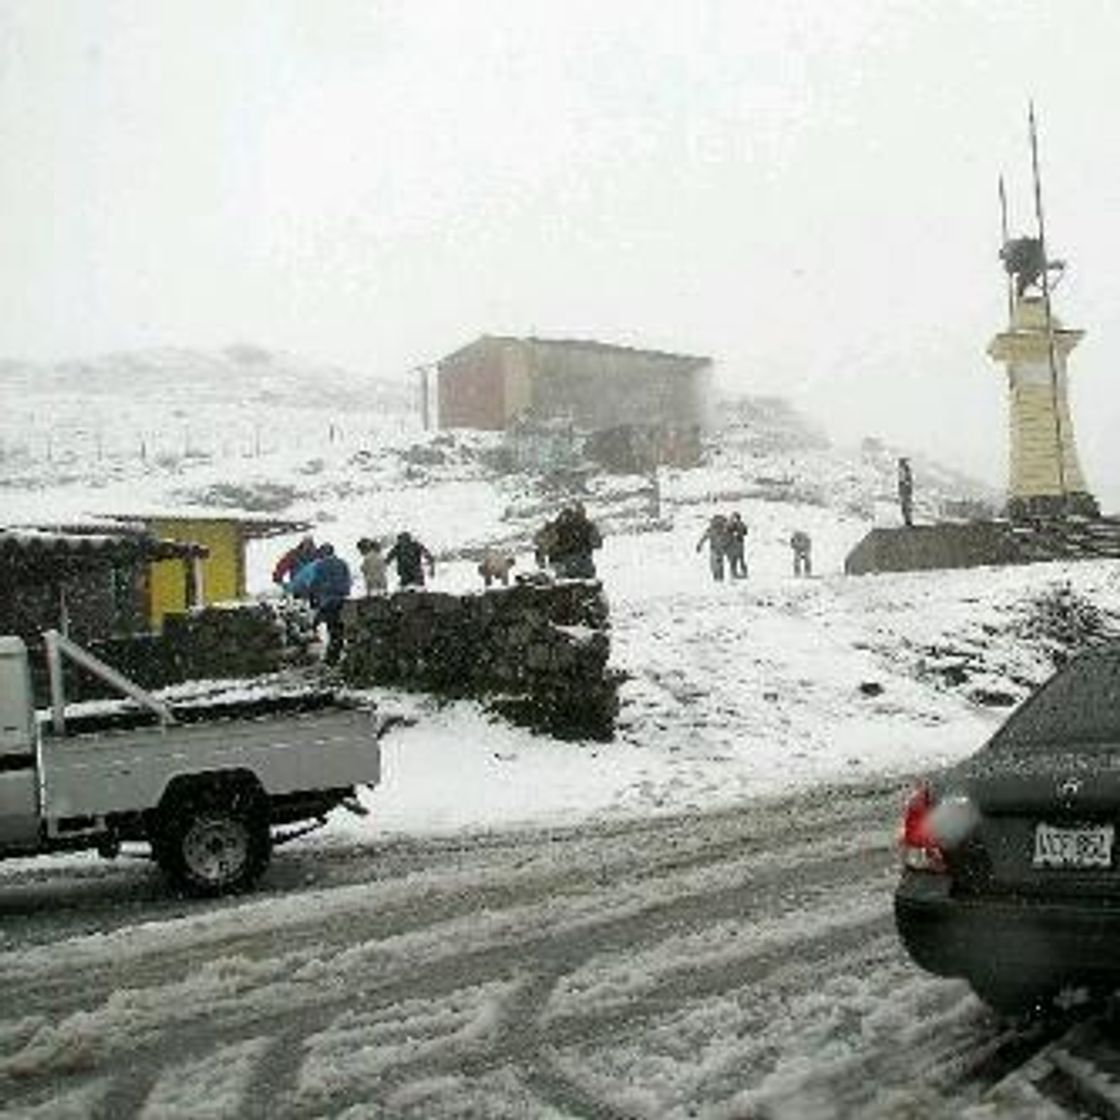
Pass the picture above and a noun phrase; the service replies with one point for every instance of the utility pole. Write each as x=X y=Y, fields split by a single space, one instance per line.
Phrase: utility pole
x=423 y=372
x=1055 y=396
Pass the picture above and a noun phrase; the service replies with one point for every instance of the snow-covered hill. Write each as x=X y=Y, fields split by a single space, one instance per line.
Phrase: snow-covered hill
x=239 y=374
x=248 y=429
x=142 y=415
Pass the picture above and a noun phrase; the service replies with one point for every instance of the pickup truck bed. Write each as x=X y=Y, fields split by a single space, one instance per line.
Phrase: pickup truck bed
x=126 y=771
x=205 y=788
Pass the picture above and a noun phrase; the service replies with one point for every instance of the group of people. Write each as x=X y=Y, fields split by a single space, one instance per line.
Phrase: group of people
x=315 y=573
x=410 y=557
x=726 y=538
x=566 y=544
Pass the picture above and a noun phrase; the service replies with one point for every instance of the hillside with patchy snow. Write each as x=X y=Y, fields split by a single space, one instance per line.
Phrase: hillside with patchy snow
x=248 y=430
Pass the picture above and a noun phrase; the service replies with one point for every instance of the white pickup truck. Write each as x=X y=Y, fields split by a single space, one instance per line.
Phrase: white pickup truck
x=206 y=795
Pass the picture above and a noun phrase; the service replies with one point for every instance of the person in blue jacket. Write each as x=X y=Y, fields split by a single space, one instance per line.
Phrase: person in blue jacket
x=325 y=583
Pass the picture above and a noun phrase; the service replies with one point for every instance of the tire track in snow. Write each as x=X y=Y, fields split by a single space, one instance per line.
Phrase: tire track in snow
x=509 y=970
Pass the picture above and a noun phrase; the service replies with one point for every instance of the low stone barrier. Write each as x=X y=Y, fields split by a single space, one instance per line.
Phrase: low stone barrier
x=233 y=640
x=537 y=653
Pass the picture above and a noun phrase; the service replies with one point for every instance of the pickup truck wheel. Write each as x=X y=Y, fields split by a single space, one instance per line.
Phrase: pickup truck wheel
x=214 y=842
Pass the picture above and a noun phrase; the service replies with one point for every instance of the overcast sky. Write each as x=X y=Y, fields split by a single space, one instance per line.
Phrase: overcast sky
x=804 y=191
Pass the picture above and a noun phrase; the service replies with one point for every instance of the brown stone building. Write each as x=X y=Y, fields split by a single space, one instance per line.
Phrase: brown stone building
x=498 y=381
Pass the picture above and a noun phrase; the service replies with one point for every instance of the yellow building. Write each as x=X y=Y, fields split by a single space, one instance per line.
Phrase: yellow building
x=217 y=578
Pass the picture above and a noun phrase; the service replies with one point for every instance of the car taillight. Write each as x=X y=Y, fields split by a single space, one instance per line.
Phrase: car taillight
x=917 y=844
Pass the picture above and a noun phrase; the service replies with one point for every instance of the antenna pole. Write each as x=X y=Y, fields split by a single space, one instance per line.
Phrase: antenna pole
x=1058 y=440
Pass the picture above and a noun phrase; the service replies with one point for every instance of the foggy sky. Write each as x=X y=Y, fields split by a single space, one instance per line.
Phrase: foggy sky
x=804 y=191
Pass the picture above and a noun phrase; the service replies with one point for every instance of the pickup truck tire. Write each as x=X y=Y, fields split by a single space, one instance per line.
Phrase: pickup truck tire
x=214 y=839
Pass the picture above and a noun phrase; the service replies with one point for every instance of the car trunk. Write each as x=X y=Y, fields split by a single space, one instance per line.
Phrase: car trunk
x=1049 y=823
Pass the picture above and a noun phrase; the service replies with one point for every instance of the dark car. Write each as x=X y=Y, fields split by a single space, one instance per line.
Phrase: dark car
x=1010 y=872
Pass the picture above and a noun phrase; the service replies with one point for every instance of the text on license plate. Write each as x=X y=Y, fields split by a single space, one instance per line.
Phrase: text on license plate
x=1073 y=847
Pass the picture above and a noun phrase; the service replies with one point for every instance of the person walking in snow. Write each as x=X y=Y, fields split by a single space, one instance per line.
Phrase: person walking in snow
x=906 y=492
x=802 y=545
x=325 y=582
x=295 y=558
x=576 y=537
x=410 y=557
x=736 y=546
x=373 y=566
x=716 y=538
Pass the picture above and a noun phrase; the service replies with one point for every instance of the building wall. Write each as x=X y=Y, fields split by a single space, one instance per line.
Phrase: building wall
x=471 y=387
x=97 y=602
x=223 y=571
x=517 y=380
x=603 y=388
x=495 y=381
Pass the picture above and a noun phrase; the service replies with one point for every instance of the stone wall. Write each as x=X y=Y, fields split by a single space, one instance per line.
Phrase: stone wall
x=237 y=640
x=537 y=653
x=925 y=547
x=975 y=543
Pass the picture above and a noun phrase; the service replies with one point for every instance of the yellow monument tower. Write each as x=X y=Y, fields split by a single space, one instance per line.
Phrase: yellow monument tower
x=1045 y=479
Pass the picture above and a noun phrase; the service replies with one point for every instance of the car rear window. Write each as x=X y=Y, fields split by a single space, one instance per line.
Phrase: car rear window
x=1079 y=704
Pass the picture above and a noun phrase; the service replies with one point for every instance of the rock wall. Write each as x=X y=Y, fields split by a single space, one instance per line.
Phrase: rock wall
x=925 y=547
x=974 y=543
x=238 y=640
x=537 y=653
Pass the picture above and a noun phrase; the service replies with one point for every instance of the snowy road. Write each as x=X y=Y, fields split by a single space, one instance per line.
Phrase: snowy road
x=733 y=964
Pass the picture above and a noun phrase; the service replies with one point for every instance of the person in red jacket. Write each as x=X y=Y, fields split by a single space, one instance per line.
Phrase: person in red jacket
x=294 y=559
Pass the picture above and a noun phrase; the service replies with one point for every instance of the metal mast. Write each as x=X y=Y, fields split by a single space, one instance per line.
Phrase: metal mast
x=1058 y=437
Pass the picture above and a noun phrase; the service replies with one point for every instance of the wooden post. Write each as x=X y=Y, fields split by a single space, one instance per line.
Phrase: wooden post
x=54 y=673
x=57 y=645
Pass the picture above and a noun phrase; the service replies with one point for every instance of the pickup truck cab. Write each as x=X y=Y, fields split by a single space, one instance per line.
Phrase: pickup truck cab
x=207 y=794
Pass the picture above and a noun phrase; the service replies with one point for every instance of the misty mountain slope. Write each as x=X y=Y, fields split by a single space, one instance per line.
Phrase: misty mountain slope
x=241 y=373
x=245 y=429
x=169 y=412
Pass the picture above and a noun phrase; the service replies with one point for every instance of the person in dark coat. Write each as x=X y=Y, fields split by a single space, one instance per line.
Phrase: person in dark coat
x=410 y=557
x=295 y=558
x=328 y=587
x=802 y=545
x=737 y=546
x=575 y=538
x=906 y=492
x=716 y=538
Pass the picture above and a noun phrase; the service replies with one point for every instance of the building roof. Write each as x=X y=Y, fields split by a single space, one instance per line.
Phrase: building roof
x=253 y=525
x=686 y=361
x=72 y=547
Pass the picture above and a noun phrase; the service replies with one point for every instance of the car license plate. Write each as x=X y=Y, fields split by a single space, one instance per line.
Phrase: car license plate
x=1073 y=847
